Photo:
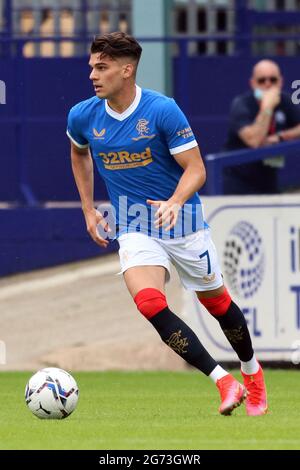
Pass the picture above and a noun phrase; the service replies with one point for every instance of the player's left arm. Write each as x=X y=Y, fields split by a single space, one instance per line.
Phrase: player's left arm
x=191 y=181
x=193 y=177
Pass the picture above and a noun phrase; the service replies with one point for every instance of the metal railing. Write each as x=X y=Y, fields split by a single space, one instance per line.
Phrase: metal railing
x=216 y=163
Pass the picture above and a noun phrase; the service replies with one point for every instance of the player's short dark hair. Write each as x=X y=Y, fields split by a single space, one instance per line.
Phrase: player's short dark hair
x=117 y=45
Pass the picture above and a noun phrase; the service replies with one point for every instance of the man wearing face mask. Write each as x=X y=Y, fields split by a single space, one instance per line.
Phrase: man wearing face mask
x=263 y=116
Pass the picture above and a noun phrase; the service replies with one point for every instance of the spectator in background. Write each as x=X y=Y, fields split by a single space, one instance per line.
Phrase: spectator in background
x=263 y=116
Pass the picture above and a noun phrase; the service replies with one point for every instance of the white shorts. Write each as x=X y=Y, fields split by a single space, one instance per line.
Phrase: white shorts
x=194 y=257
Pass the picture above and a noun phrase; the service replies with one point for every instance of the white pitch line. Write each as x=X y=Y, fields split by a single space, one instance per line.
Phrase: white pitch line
x=112 y=267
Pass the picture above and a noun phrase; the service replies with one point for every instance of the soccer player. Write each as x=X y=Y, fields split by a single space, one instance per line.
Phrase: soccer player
x=146 y=152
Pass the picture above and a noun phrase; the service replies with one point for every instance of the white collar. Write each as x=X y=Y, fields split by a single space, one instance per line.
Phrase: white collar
x=129 y=110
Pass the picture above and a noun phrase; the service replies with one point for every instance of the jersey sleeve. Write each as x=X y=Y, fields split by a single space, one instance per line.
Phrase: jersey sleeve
x=74 y=129
x=241 y=115
x=176 y=129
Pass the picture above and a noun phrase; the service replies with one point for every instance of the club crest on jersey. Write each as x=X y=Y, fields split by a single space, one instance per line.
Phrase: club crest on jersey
x=99 y=135
x=143 y=130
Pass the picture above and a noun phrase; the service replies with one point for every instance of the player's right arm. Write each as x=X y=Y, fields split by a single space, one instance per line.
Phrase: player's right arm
x=83 y=171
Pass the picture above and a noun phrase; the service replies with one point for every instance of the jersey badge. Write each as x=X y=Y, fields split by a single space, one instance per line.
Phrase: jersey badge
x=99 y=135
x=143 y=130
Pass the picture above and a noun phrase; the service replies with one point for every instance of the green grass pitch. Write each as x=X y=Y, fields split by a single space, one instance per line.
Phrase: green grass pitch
x=151 y=410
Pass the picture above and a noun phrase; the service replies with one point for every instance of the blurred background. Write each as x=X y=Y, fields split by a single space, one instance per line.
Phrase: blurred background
x=202 y=53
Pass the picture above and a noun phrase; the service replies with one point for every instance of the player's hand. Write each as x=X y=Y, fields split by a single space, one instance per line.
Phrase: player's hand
x=93 y=218
x=271 y=98
x=167 y=213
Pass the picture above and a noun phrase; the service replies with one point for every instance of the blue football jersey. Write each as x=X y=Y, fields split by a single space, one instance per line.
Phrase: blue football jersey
x=133 y=152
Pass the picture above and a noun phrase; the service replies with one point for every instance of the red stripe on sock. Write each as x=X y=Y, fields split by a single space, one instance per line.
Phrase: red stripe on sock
x=217 y=305
x=150 y=301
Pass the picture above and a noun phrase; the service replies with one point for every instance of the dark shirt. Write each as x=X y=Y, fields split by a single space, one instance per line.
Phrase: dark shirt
x=255 y=177
x=244 y=110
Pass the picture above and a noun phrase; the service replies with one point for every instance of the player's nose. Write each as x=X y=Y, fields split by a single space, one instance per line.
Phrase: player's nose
x=92 y=75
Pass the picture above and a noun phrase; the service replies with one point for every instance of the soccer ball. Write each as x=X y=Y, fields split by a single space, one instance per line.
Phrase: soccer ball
x=51 y=393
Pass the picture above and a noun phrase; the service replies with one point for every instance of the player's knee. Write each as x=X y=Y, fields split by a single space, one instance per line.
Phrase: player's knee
x=150 y=301
x=219 y=305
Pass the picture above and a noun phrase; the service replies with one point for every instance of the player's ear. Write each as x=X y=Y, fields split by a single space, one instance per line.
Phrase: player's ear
x=128 y=70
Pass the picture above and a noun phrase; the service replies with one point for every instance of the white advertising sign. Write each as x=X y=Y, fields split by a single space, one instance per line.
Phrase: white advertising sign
x=258 y=243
